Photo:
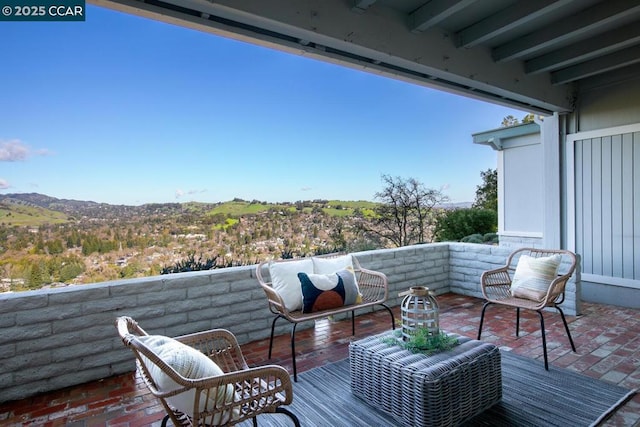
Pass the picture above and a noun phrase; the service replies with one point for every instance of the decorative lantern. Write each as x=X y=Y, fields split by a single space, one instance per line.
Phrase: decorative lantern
x=419 y=310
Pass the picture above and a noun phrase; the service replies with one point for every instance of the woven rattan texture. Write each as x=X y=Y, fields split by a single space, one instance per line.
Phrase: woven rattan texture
x=440 y=390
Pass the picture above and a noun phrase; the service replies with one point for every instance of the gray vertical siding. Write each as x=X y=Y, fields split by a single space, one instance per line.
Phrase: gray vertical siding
x=607 y=203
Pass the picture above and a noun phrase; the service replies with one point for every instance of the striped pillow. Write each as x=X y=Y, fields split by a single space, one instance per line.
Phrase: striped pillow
x=533 y=276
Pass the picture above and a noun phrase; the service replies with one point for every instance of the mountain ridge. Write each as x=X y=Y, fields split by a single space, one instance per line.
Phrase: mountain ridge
x=48 y=208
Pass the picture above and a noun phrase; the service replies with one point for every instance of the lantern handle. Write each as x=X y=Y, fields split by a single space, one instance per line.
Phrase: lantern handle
x=416 y=290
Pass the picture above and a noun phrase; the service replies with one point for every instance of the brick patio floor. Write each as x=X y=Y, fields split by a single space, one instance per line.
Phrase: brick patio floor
x=607 y=339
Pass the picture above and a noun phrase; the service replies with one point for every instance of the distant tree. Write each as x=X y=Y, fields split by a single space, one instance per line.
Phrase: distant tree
x=456 y=224
x=487 y=192
x=512 y=121
x=509 y=121
x=36 y=275
x=405 y=213
x=71 y=271
x=337 y=235
x=529 y=118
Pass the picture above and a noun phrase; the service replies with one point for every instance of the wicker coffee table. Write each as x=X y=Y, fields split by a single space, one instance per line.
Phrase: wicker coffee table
x=440 y=390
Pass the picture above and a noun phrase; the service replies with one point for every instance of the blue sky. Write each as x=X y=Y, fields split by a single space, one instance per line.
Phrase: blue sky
x=125 y=110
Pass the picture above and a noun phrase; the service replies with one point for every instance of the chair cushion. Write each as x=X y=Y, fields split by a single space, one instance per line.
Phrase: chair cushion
x=325 y=291
x=284 y=279
x=331 y=265
x=191 y=364
x=533 y=276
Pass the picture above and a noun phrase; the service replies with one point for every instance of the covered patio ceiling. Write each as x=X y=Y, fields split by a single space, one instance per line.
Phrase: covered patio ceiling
x=537 y=56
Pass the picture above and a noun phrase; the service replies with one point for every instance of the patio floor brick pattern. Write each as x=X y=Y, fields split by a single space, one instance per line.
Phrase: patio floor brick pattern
x=607 y=339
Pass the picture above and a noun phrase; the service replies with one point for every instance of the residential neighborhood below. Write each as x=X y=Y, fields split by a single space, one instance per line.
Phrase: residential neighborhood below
x=45 y=241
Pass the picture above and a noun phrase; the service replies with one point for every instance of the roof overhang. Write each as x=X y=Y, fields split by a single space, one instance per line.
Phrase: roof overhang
x=496 y=138
x=529 y=55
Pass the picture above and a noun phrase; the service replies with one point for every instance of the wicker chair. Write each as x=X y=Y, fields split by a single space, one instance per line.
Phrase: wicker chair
x=496 y=288
x=372 y=284
x=257 y=390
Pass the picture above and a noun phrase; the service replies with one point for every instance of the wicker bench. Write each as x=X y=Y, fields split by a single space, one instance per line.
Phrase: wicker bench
x=445 y=389
x=372 y=286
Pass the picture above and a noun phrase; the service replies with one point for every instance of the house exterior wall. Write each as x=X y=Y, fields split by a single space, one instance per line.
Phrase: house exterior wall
x=602 y=152
x=521 y=183
x=522 y=180
x=605 y=107
x=55 y=338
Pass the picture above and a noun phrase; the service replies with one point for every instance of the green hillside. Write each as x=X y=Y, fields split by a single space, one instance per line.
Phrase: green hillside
x=28 y=213
x=239 y=208
x=21 y=215
x=339 y=208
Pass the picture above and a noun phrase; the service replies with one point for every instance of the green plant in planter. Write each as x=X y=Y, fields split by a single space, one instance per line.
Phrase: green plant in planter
x=422 y=341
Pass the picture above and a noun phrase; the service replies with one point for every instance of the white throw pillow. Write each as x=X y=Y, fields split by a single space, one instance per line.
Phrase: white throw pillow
x=192 y=364
x=284 y=279
x=533 y=276
x=331 y=265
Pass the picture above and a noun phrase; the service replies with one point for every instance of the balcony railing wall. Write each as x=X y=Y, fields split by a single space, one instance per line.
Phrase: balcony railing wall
x=51 y=339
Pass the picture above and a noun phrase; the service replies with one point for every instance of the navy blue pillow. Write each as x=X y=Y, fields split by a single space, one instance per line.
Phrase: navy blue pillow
x=326 y=291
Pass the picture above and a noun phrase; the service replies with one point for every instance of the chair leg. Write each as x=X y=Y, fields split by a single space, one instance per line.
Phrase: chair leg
x=393 y=319
x=353 y=322
x=517 y=321
x=293 y=352
x=291 y=415
x=566 y=328
x=273 y=327
x=484 y=307
x=164 y=421
x=254 y=421
x=544 y=340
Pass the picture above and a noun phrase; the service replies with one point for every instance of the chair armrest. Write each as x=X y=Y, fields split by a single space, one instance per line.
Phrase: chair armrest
x=262 y=382
x=256 y=390
x=373 y=285
x=219 y=345
x=556 y=290
x=495 y=284
x=276 y=303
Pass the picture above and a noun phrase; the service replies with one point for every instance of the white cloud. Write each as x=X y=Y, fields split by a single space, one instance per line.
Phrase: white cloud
x=4 y=184
x=15 y=150
x=306 y=189
x=181 y=193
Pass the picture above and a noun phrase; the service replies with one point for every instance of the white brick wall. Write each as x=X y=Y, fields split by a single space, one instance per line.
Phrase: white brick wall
x=51 y=339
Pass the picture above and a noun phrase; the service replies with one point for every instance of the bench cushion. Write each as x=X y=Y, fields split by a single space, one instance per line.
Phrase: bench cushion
x=284 y=278
x=331 y=265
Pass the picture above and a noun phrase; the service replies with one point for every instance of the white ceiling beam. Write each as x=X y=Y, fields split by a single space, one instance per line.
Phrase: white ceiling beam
x=505 y=20
x=580 y=25
x=432 y=13
x=609 y=62
x=590 y=48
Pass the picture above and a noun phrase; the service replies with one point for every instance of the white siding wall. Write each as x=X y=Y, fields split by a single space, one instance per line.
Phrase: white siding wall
x=523 y=189
x=520 y=191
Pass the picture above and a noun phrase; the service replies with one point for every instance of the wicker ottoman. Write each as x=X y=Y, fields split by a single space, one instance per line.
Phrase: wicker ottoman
x=440 y=390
